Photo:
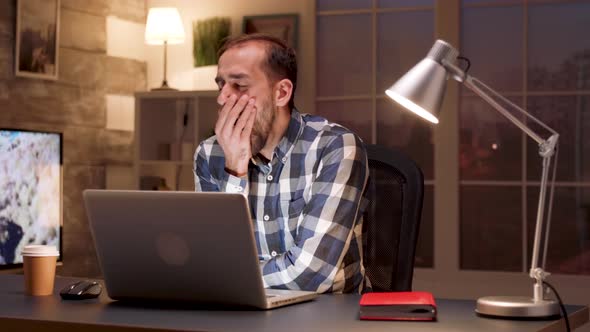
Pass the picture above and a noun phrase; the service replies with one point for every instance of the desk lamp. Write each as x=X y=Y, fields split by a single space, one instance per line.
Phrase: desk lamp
x=164 y=27
x=421 y=91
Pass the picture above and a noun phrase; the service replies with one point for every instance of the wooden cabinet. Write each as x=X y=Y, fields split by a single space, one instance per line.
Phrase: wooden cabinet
x=168 y=128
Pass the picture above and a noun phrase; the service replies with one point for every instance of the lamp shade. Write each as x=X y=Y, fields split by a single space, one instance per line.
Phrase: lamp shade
x=422 y=88
x=164 y=25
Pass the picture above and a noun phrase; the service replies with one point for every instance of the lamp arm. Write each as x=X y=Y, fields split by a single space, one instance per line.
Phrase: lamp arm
x=547 y=148
x=550 y=206
x=478 y=87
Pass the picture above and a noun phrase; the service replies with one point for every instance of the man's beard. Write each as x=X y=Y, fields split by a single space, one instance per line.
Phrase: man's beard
x=262 y=126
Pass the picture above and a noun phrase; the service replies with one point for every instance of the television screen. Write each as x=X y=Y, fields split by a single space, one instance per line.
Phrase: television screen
x=30 y=192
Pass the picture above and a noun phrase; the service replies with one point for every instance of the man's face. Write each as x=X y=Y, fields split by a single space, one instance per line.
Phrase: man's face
x=240 y=72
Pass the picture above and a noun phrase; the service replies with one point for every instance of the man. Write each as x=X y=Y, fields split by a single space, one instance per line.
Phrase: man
x=304 y=176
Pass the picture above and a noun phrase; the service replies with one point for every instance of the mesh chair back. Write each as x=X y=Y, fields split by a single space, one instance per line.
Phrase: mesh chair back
x=392 y=219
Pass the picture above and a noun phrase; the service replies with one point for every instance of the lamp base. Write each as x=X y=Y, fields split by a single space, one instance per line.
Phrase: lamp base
x=516 y=307
x=164 y=87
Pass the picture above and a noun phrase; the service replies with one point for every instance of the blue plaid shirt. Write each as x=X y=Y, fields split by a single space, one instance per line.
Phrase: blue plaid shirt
x=305 y=204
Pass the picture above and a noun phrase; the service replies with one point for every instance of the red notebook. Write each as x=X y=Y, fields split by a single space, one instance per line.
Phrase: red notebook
x=398 y=306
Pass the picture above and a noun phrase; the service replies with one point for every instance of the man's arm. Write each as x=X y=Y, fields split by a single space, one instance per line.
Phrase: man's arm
x=210 y=174
x=325 y=233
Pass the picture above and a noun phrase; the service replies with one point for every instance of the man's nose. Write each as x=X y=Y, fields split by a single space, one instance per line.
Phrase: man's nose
x=224 y=94
x=222 y=97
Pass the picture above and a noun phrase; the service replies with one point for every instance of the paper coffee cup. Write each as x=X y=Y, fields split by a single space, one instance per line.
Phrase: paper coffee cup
x=39 y=265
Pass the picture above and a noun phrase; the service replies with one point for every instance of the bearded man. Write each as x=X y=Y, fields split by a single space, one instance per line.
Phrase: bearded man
x=303 y=175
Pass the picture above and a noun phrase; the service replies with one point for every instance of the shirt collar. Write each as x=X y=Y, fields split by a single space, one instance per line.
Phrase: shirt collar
x=285 y=145
x=291 y=135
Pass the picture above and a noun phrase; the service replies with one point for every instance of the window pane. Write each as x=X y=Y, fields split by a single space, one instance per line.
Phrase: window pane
x=344 y=55
x=399 y=128
x=343 y=4
x=490 y=145
x=352 y=114
x=403 y=39
x=569 y=239
x=495 y=49
x=425 y=247
x=569 y=116
x=491 y=228
x=559 y=52
x=404 y=3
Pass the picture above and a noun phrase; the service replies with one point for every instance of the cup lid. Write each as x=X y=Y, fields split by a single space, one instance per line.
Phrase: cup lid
x=36 y=250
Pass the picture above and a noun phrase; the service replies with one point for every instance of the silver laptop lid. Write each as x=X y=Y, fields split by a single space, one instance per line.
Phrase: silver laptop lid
x=185 y=246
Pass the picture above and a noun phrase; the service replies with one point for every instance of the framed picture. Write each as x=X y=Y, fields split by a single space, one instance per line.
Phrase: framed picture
x=37 y=38
x=283 y=26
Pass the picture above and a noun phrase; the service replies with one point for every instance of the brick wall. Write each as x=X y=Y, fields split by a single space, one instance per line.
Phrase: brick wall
x=75 y=105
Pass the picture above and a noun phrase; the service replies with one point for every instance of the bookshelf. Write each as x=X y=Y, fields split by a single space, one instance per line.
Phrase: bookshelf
x=168 y=128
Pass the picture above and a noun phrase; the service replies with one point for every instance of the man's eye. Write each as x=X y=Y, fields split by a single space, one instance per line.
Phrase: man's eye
x=240 y=87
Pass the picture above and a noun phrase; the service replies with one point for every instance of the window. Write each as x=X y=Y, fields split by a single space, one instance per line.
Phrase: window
x=535 y=53
x=362 y=47
x=544 y=68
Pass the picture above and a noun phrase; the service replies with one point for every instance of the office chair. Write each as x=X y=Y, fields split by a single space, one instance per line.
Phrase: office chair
x=392 y=219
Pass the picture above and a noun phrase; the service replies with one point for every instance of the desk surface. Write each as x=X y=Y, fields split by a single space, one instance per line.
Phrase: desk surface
x=328 y=312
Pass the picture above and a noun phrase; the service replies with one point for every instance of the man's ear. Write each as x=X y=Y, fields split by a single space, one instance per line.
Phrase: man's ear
x=283 y=92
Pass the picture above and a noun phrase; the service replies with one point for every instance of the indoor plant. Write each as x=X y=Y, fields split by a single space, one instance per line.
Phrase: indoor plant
x=208 y=36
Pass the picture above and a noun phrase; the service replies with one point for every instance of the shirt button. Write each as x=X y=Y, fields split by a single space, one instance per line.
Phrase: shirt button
x=266 y=217
x=284 y=159
x=273 y=253
x=269 y=178
x=239 y=188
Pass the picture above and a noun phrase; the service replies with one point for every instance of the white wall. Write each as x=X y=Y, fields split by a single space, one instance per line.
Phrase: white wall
x=180 y=57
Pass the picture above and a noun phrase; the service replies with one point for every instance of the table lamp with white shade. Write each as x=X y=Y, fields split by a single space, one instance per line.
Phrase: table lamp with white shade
x=421 y=90
x=164 y=27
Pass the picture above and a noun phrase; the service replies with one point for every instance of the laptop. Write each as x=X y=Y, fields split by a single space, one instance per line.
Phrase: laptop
x=180 y=246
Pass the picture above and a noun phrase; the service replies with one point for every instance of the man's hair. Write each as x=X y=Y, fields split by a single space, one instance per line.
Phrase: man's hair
x=280 y=59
